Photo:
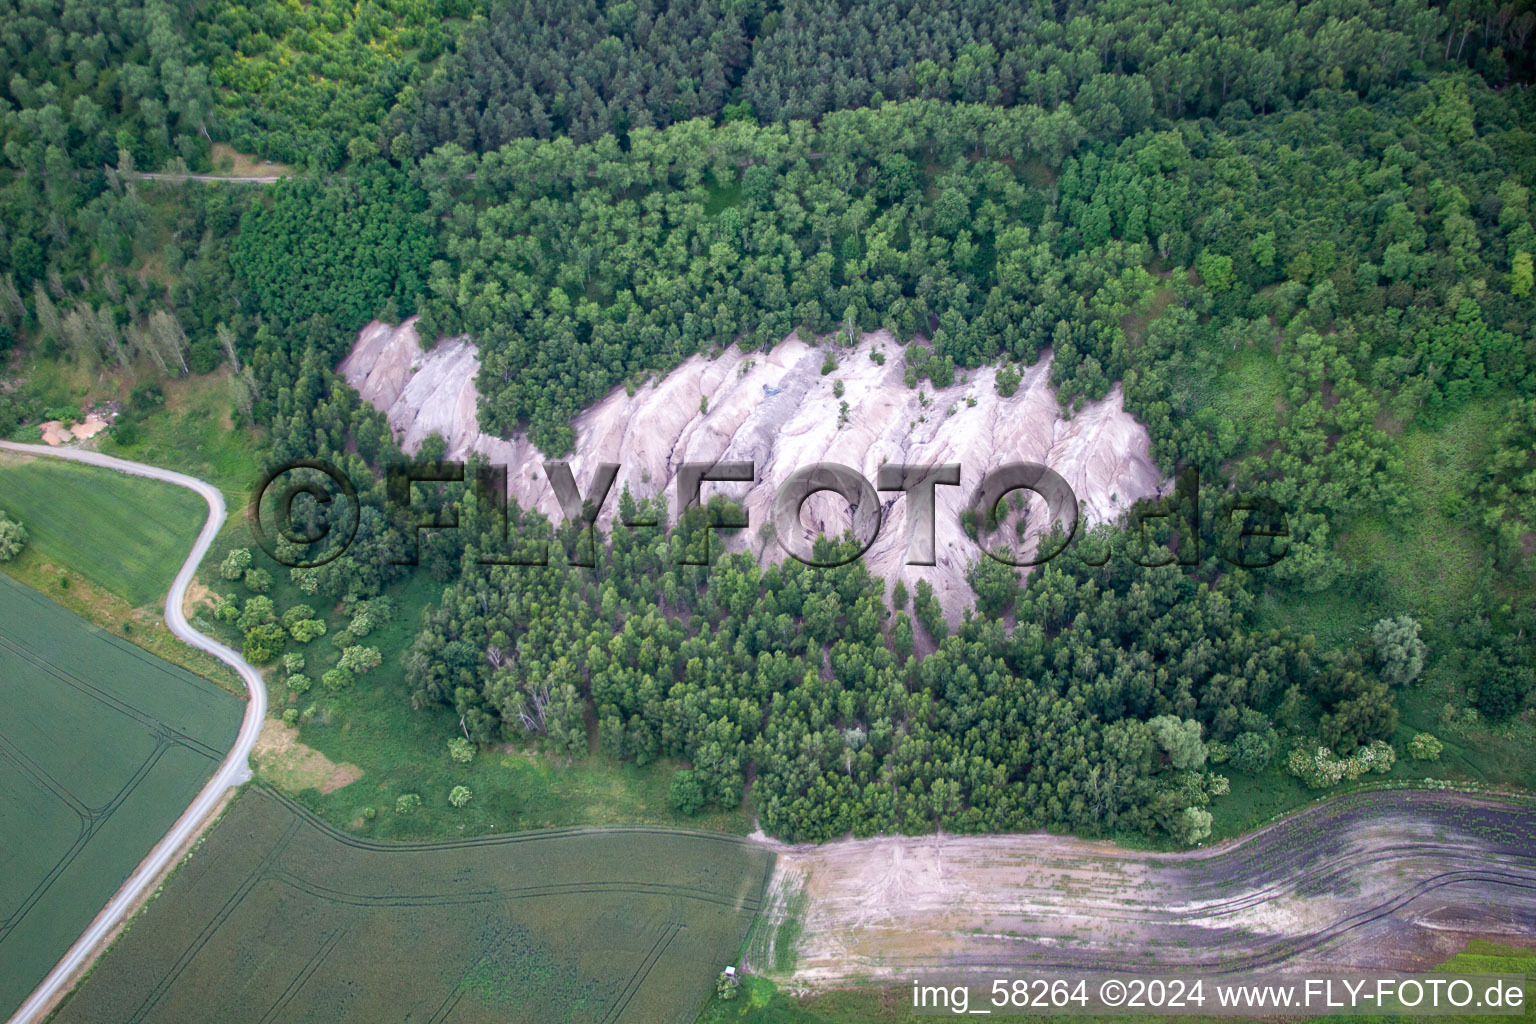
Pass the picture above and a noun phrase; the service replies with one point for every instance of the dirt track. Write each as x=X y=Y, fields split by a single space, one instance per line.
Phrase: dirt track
x=1381 y=880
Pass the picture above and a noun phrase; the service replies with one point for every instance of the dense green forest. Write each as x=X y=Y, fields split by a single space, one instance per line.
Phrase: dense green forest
x=308 y=83
x=1300 y=236
x=1089 y=714
x=576 y=69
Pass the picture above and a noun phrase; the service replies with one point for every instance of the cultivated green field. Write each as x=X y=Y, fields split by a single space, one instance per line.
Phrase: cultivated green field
x=278 y=917
x=101 y=748
x=124 y=533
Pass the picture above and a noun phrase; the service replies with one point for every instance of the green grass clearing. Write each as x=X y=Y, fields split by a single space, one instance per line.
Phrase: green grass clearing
x=1429 y=558
x=192 y=433
x=1250 y=391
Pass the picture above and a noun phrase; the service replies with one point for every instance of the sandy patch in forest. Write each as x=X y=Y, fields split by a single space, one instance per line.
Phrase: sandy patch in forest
x=1101 y=451
x=292 y=766
x=244 y=164
x=1385 y=881
x=55 y=433
x=88 y=428
x=197 y=594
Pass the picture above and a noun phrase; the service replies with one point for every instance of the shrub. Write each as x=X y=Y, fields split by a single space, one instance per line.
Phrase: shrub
x=1008 y=380
x=405 y=803
x=257 y=611
x=369 y=615
x=13 y=537
x=686 y=794
x=361 y=659
x=1399 y=651
x=126 y=433
x=1425 y=747
x=258 y=580
x=1378 y=758
x=298 y=682
x=263 y=643
x=293 y=663
x=336 y=679
x=1251 y=752
x=1192 y=825
x=306 y=630
x=1215 y=271
x=461 y=750
x=298 y=613
x=146 y=398
x=1320 y=769
x=1180 y=740
x=291 y=716
x=307 y=580
x=459 y=796
x=235 y=563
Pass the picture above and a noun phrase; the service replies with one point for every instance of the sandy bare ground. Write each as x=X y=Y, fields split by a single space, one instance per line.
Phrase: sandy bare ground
x=282 y=759
x=1101 y=451
x=1384 y=880
x=55 y=433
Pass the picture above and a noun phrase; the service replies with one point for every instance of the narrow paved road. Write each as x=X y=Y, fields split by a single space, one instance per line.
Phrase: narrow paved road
x=235 y=769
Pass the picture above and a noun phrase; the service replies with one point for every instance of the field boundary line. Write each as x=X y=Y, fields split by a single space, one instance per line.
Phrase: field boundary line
x=235 y=770
x=500 y=839
x=504 y=895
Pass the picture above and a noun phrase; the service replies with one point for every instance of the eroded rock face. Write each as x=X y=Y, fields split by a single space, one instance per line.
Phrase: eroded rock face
x=1102 y=452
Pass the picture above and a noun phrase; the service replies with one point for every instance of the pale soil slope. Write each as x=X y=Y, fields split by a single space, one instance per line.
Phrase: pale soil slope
x=1101 y=451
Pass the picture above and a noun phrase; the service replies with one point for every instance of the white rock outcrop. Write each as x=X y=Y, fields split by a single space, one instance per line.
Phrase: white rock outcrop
x=1101 y=451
